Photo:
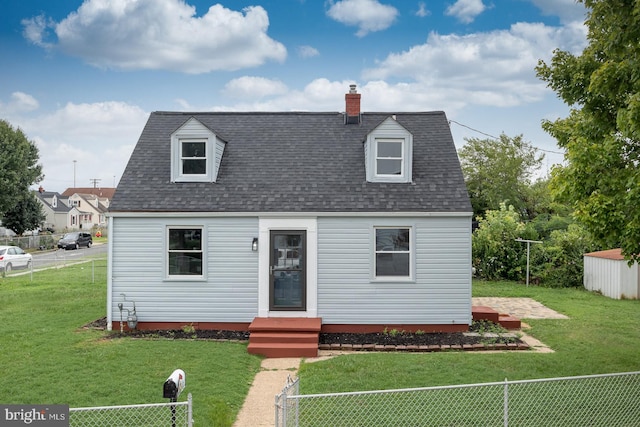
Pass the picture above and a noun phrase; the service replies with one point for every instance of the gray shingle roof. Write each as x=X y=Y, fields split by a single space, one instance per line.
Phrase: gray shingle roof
x=293 y=162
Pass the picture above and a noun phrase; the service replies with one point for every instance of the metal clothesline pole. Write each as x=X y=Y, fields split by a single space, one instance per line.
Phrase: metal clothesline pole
x=528 y=246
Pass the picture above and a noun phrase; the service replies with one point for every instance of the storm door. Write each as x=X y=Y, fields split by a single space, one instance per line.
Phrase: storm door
x=287 y=270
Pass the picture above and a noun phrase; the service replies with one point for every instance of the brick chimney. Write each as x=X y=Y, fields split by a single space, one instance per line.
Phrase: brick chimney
x=352 y=101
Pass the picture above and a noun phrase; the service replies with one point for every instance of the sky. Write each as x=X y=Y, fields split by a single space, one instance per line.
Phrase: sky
x=80 y=78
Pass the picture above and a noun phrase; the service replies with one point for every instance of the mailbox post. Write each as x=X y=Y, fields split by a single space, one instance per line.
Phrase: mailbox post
x=172 y=388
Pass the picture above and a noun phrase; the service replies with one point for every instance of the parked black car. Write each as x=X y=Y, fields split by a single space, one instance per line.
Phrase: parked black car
x=75 y=240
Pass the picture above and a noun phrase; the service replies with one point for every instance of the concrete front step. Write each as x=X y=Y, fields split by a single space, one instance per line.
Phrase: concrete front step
x=480 y=312
x=284 y=349
x=509 y=322
x=281 y=324
x=284 y=337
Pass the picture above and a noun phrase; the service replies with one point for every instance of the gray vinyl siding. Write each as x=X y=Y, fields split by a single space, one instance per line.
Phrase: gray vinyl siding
x=439 y=294
x=229 y=292
x=218 y=152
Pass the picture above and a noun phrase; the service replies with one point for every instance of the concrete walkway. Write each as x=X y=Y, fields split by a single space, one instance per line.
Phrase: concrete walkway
x=258 y=409
x=522 y=308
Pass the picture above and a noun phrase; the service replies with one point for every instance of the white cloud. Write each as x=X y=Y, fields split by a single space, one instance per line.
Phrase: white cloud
x=422 y=10
x=254 y=87
x=99 y=136
x=466 y=10
x=150 y=34
x=367 y=15
x=567 y=10
x=20 y=102
x=493 y=68
x=307 y=51
x=36 y=28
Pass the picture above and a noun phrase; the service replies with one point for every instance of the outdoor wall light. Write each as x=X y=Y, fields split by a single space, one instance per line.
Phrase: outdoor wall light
x=254 y=244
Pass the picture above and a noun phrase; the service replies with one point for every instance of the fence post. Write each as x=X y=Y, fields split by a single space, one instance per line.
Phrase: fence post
x=189 y=411
x=506 y=403
x=284 y=408
x=297 y=391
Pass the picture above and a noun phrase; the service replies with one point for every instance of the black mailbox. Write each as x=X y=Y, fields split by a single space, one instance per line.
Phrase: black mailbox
x=174 y=385
x=170 y=390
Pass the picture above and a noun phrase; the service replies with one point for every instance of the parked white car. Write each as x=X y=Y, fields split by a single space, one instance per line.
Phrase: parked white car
x=13 y=257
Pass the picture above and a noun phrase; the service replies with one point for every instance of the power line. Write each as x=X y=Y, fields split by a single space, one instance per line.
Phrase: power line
x=496 y=138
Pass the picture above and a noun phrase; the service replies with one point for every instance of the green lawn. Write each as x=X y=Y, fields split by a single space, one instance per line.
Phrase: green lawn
x=47 y=358
x=601 y=336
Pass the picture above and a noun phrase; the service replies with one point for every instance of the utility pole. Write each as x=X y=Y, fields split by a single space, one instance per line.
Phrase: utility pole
x=528 y=244
x=74 y=173
x=95 y=181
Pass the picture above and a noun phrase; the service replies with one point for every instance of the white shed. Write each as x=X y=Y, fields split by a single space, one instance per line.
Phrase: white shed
x=609 y=273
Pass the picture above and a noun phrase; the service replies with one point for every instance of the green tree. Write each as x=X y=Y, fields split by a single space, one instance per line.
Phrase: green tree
x=601 y=135
x=26 y=215
x=496 y=253
x=19 y=166
x=499 y=171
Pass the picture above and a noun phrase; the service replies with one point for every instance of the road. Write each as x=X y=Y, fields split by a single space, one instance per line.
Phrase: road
x=62 y=256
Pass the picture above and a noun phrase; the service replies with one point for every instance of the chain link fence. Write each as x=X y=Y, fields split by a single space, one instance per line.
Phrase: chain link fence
x=597 y=400
x=59 y=262
x=287 y=409
x=149 y=415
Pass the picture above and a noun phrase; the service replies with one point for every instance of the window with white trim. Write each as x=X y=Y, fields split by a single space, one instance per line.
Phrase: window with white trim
x=185 y=252
x=193 y=157
x=392 y=252
x=389 y=157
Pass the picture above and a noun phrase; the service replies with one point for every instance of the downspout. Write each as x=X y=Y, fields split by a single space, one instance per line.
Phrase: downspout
x=109 y=273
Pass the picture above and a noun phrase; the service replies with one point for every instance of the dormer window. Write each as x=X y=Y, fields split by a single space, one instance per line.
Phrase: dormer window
x=193 y=157
x=388 y=153
x=389 y=157
x=196 y=153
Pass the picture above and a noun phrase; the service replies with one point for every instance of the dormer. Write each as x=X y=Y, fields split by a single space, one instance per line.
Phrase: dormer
x=196 y=153
x=388 y=152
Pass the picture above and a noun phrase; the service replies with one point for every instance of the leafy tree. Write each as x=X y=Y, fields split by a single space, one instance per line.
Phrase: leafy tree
x=18 y=166
x=496 y=254
x=498 y=171
x=26 y=215
x=601 y=135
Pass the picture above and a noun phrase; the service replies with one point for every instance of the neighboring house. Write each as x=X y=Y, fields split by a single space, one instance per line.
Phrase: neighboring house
x=76 y=208
x=609 y=273
x=105 y=194
x=56 y=209
x=5 y=232
x=359 y=220
x=91 y=210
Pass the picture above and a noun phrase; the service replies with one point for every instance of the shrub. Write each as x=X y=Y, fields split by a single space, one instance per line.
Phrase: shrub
x=496 y=253
x=559 y=262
